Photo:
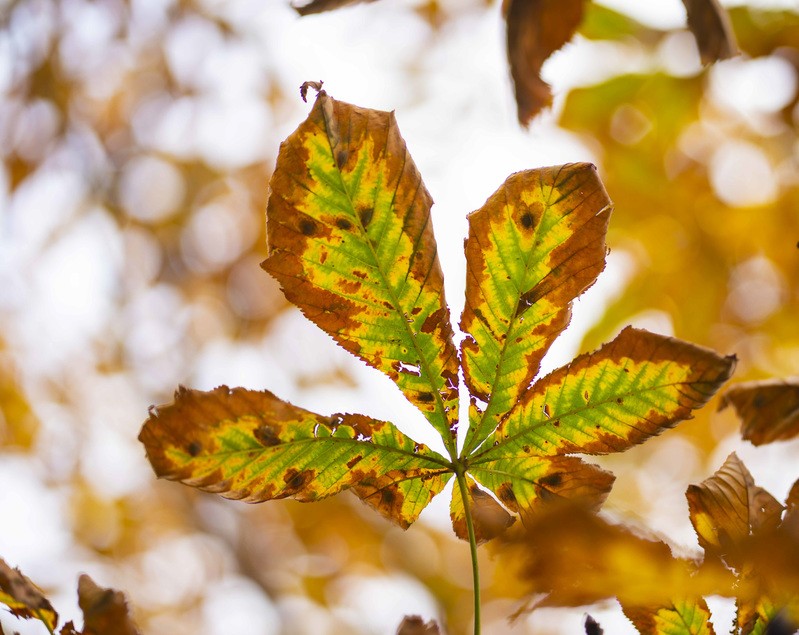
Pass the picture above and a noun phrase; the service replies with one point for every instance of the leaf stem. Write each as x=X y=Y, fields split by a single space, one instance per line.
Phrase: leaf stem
x=464 y=487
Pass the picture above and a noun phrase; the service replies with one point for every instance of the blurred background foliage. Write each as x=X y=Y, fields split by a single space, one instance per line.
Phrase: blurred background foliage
x=137 y=140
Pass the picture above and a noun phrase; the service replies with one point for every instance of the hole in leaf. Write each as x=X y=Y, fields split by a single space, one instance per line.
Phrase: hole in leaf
x=410 y=369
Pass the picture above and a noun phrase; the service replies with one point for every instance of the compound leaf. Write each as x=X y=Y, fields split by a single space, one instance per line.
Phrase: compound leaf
x=536 y=244
x=769 y=410
x=250 y=445
x=351 y=244
x=728 y=507
x=24 y=598
x=631 y=389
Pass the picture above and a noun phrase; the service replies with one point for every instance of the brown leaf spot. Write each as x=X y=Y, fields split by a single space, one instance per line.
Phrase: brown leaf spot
x=296 y=480
x=360 y=274
x=556 y=423
x=307 y=227
x=527 y=220
x=433 y=320
x=416 y=310
x=526 y=449
x=354 y=461
x=365 y=215
x=426 y=397
x=266 y=435
x=506 y=495
x=195 y=447
x=341 y=158
x=343 y=223
x=552 y=480
x=619 y=400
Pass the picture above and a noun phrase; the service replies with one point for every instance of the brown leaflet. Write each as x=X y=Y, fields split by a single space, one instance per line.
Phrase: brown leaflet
x=105 y=611
x=536 y=29
x=320 y=6
x=769 y=410
x=727 y=508
x=710 y=25
x=489 y=519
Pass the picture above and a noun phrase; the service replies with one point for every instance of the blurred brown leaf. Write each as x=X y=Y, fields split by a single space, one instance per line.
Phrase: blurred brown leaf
x=536 y=29
x=769 y=410
x=710 y=25
x=105 y=611
x=577 y=558
x=320 y=6
x=415 y=625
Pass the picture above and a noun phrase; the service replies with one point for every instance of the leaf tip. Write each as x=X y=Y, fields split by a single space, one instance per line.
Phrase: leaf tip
x=317 y=86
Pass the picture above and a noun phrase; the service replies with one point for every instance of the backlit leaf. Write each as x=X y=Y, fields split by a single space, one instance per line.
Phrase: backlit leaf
x=710 y=25
x=105 y=611
x=536 y=29
x=536 y=244
x=250 y=445
x=24 y=598
x=681 y=617
x=350 y=241
x=728 y=507
x=769 y=410
x=629 y=390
